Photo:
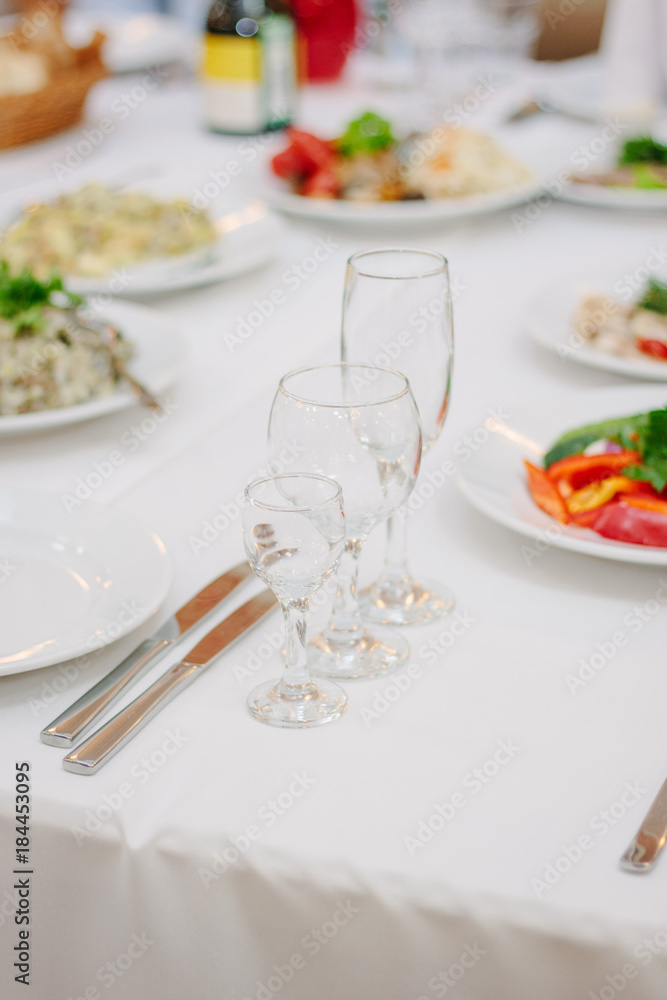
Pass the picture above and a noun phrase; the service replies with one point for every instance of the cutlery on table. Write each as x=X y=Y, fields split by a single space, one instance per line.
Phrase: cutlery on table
x=541 y=105
x=94 y=752
x=74 y=721
x=646 y=847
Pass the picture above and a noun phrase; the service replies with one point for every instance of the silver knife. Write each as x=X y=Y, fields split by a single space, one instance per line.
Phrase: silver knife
x=94 y=752
x=78 y=718
x=645 y=849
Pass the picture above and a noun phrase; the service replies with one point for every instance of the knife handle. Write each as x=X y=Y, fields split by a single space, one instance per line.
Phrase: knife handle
x=75 y=720
x=94 y=752
x=645 y=849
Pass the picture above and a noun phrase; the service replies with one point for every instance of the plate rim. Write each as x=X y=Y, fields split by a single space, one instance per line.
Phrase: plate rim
x=161 y=589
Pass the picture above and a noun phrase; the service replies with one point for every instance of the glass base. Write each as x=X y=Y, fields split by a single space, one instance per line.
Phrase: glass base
x=405 y=601
x=295 y=708
x=368 y=656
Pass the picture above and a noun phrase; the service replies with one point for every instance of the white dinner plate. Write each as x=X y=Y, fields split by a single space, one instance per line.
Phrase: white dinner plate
x=597 y=195
x=158 y=358
x=494 y=479
x=275 y=191
x=72 y=580
x=549 y=322
x=250 y=236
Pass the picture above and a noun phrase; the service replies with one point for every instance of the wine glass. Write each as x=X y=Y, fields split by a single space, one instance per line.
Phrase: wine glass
x=359 y=425
x=397 y=310
x=294 y=535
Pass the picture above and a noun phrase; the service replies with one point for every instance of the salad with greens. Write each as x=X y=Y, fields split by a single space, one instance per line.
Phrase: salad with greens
x=610 y=477
x=641 y=164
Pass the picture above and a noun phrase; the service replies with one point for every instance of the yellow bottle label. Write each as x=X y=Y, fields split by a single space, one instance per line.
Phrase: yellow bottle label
x=232 y=58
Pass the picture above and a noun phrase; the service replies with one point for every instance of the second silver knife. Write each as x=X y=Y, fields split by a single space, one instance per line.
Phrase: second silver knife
x=78 y=718
x=94 y=752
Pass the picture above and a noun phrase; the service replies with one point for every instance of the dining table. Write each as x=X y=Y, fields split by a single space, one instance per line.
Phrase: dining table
x=458 y=831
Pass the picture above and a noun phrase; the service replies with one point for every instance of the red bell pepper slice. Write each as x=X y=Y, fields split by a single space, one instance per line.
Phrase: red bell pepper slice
x=654 y=348
x=545 y=494
x=305 y=154
x=577 y=471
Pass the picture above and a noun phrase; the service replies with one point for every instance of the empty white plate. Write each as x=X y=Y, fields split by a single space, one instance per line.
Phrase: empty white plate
x=74 y=576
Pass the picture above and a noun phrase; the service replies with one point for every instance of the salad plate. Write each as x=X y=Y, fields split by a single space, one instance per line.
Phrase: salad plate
x=494 y=479
x=158 y=358
x=93 y=573
x=550 y=322
x=632 y=176
x=369 y=175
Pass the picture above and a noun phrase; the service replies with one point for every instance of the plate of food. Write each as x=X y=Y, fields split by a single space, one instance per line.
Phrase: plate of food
x=105 y=238
x=589 y=476
x=616 y=324
x=63 y=359
x=635 y=176
x=369 y=175
x=91 y=572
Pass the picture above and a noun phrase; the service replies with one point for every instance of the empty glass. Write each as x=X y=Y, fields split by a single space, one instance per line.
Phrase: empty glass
x=397 y=310
x=294 y=534
x=359 y=425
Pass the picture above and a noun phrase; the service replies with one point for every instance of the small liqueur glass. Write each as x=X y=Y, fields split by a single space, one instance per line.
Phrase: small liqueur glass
x=294 y=535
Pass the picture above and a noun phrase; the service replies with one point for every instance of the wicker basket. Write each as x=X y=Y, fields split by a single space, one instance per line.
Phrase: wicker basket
x=58 y=106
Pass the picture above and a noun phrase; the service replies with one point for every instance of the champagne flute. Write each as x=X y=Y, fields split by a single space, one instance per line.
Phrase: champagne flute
x=397 y=310
x=359 y=425
x=294 y=534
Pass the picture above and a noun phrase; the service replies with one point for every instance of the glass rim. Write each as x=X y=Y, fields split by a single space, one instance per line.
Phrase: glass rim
x=338 y=492
x=441 y=267
x=343 y=364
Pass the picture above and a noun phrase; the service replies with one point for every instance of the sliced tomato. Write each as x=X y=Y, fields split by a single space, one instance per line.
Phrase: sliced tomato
x=626 y=521
x=290 y=164
x=573 y=473
x=321 y=184
x=654 y=348
x=545 y=494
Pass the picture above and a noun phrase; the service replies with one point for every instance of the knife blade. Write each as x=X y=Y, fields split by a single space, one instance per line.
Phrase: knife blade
x=94 y=752
x=651 y=837
x=79 y=717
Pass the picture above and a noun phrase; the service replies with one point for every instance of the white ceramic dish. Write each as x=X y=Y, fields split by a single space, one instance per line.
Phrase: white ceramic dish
x=159 y=356
x=276 y=193
x=549 y=322
x=494 y=479
x=72 y=580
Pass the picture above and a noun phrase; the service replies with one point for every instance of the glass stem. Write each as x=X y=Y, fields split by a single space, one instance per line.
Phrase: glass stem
x=396 y=553
x=346 y=624
x=296 y=675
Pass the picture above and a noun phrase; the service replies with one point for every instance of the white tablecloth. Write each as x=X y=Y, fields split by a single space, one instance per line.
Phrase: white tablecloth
x=458 y=831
